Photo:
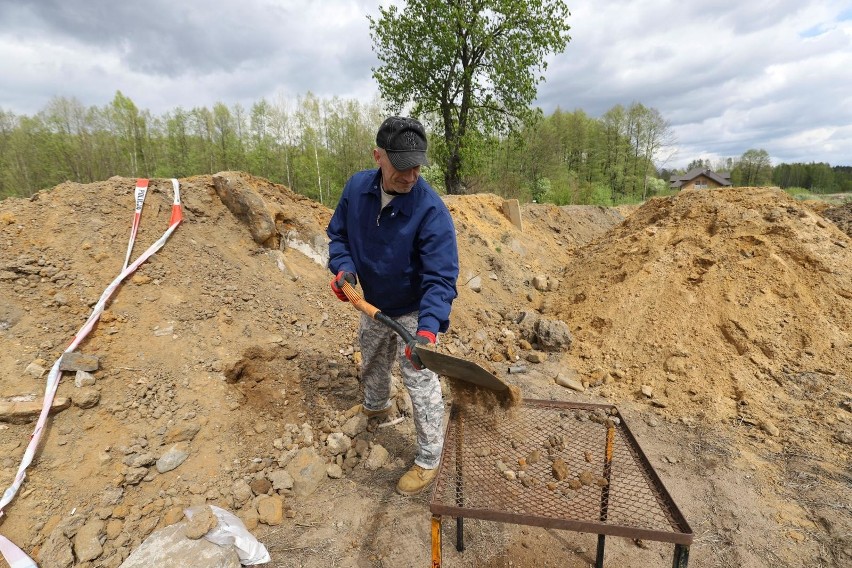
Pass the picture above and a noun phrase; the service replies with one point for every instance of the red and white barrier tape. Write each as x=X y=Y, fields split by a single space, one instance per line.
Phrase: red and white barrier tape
x=141 y=191
x=11 y=553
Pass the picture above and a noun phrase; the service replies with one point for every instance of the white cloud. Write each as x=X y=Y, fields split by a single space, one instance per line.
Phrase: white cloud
x=728 y=75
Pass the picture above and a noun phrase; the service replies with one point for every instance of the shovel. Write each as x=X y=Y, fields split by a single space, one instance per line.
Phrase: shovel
x=447 y=365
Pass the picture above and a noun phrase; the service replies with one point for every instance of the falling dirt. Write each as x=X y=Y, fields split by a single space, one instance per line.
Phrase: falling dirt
x=718 y=322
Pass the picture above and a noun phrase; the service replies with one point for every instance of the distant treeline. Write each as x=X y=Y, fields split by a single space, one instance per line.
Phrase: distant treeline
x=313 y=145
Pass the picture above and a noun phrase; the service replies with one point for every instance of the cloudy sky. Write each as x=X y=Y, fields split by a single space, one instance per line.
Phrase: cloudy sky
x=728 y=75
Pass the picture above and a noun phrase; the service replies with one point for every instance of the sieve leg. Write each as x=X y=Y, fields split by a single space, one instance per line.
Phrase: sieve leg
x=460 y=484
x=600 y=555
x=436 y=541
x=681 y=556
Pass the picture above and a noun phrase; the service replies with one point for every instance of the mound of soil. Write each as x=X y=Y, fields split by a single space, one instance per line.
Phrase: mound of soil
x=717 y=321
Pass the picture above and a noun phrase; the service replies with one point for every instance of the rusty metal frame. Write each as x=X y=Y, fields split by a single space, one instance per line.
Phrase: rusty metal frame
x=455 y=474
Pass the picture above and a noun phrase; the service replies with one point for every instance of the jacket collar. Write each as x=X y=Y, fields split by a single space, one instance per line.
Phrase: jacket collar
x=403 y=203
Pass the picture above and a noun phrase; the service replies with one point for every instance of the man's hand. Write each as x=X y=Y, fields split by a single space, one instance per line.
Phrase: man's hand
x=423 y=337
x=337 y=283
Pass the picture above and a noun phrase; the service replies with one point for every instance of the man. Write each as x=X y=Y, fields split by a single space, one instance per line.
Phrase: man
x=392 y=233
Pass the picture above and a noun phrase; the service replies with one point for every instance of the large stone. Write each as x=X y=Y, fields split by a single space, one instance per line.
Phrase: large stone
x=308 y=471
x=173 y=457
x=570 y=381
x=170 y=547
x=247 y=206
x=22 y=412
x=553 y=335
x=76 y=361
x=512 y=210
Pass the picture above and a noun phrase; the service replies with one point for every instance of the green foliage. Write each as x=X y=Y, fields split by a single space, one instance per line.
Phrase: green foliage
x=753 y=169
x=312 y=149
x=313 y=146
x=571 y=158
x=473 y=75
x=798 y=191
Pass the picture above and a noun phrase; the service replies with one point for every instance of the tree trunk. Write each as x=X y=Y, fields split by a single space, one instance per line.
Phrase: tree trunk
x=451 y=176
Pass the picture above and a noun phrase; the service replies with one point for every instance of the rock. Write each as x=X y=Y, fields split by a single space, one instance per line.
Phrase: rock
x=308 y=470
x=570 y=382
x=172 y=516
x=164 y=331
x=281 y=480
x=338 y=443
x=76 y=361
x=83 y=379
x=241 y=492
x=334 y=471
x=170 y=547
x=270 y=510
x=536 y=357
x=200 y=520
x=36 y=369
x=261 y=486
x=587 y=478
x=134 y=475
x=559 y=469
x=248 y=207
x=87 y=397
x=475 y=284
x=181 y=433
x=114 y=528
x=87 y=545
x=647 y=390
x=770 y=428
x=250 y=518
x=355 y=425
x=377 y=458
x=539 y=282
x=58 y=550
x=553 y=335
x=173 y=457
x=22 y=412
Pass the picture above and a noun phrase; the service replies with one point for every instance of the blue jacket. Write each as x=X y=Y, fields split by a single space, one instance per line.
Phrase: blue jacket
x=405 y=255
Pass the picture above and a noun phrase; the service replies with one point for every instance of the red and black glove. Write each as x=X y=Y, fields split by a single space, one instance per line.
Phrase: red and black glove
x=337 y=283
x=423 y=337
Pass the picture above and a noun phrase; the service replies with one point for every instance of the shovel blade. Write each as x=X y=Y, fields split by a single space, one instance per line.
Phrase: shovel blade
x=460 y=369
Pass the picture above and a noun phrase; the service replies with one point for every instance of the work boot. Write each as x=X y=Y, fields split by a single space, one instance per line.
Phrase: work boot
x=359 y=408
x=416 y=480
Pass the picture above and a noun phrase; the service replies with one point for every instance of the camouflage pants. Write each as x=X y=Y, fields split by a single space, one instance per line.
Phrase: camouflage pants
x=379 y=347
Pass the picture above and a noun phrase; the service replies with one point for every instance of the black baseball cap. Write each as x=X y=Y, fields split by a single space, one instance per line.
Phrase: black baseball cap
x=404 y=140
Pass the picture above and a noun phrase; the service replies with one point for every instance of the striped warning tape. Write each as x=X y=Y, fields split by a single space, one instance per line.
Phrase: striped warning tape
x=11 y=553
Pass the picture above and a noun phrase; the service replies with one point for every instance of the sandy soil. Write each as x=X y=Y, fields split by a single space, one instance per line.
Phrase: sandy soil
x=718 y=322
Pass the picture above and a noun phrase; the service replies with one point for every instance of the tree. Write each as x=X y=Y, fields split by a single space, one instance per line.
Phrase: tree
x=753 y=169
x=471 y=66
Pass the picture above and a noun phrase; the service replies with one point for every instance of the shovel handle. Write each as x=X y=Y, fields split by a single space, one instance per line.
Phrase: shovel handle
x=363 y=305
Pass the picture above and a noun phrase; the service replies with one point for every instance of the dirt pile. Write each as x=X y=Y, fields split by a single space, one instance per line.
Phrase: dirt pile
x=718 y=322
x=841 y=216
x=727 y=304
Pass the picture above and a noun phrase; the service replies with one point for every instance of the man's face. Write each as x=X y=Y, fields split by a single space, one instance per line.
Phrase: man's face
x=394 y=180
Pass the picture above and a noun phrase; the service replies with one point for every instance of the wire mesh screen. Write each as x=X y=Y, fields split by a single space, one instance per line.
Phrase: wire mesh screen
x=545 y=463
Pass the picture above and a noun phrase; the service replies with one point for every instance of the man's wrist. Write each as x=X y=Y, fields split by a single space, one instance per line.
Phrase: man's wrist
x=427 y=334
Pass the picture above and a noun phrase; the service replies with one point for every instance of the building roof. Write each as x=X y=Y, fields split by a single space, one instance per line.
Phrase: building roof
x=722 y=178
